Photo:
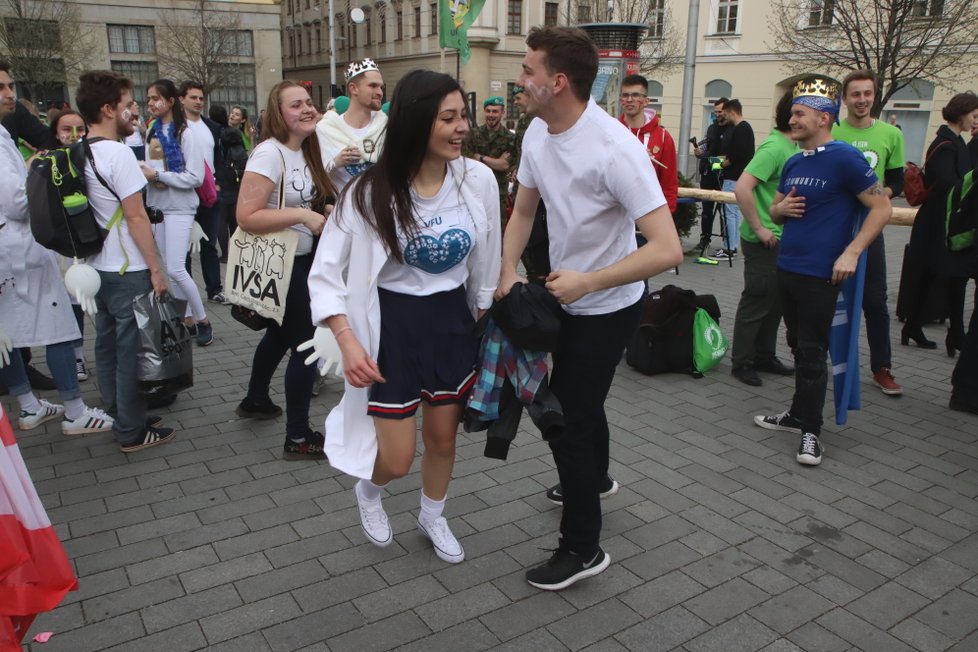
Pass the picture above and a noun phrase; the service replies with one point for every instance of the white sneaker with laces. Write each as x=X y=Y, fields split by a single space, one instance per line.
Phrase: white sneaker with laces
x=48 y=411
x=373 y=520
x=92 y=420
x=446 y=545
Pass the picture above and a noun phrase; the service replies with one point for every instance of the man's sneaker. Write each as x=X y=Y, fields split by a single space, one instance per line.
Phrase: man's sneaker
x=92 y=420
x=723 y=254
x=809 y=450
x=38 y=380
x=446 y=545
x=608 y=489
x=219 y=298
x=783 y=421
x=747 y=375
x=151 y=437
x=310 y=449
x=248 y=409
x=47 y=412
x=373 y=520
x=887 y=382
x=565 y=568
x=80 y=369
x=205 y=334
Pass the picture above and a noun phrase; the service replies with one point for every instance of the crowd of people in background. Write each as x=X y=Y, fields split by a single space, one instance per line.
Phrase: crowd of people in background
x=411 y=225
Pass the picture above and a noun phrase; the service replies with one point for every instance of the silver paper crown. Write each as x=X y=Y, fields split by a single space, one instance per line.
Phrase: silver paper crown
x=360 y=67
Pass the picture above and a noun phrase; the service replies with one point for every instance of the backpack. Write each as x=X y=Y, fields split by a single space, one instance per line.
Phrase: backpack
x=915 y=187
x=61 y=217
x=961 y=214
x=235 y=156
x=664 y=339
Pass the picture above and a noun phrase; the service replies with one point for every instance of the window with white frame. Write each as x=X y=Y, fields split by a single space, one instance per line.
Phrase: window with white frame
x=820 y=13
x=550 y=13
x=514 y=22
x=657 y=18
x=131 y=39
x=239 y=89
x=927 y=8
x=728 y=13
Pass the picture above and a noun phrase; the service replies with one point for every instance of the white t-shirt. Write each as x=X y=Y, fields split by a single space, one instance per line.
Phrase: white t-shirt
x=435 y=256
x=270 y=159
x=596 y=180
x=205 y=140
x=135 y=139
x=117 y=165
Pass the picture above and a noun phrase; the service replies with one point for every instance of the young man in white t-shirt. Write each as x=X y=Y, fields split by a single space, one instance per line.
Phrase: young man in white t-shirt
x=208 y=135
x=351 y=142
x=596 y=181
x=128 y=263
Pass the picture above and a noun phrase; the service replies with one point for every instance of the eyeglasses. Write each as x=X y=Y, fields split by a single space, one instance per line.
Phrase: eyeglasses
x=632 y=96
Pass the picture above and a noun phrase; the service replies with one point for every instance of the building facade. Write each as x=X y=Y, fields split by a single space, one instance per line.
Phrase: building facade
x=733 y=58
x=144 y=40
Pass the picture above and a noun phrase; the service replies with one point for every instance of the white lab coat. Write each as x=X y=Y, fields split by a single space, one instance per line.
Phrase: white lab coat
x=351 y=441
x=34 y=306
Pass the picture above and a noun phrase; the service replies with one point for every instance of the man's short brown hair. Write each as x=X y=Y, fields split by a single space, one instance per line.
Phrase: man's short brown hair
x=861 y=75
x=569 y=51
x=97 y=88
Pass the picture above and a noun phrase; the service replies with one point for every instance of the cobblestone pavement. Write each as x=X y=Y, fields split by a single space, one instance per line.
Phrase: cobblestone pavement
x=719 y=540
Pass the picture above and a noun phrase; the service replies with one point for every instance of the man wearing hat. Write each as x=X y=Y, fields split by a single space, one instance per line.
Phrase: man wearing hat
x=493 y=144
x=825 y=190
x=351 y=140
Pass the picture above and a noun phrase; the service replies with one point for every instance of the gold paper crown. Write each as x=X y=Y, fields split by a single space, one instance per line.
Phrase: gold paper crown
x=818 y=87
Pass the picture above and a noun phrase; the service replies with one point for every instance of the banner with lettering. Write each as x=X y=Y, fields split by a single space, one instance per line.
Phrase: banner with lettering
x=455 y=18
x=259 y=271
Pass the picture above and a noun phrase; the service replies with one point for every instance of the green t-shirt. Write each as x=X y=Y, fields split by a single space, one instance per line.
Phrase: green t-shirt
x=881 y=143
x=766 y=166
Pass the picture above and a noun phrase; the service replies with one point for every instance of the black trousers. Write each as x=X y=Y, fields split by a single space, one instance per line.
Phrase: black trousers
x=875 y=311
x=589 y=350
x=808 y=304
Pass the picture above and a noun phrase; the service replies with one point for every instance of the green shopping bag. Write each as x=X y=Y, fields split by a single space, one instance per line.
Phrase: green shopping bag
x=709 y=342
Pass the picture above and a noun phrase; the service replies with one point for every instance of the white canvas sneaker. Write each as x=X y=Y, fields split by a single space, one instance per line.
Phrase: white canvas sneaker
x=446 y=545
x=373 y=520
x=48 y=411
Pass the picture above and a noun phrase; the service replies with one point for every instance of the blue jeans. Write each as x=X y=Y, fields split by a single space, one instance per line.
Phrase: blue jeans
x=733 y=217
x=210 y=262
x=61 y=362
x=116 y=348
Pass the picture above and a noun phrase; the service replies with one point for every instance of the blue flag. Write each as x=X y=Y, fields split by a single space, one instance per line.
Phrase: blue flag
x=844 y=343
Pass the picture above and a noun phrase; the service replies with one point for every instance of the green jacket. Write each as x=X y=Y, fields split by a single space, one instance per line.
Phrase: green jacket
x=491 y=143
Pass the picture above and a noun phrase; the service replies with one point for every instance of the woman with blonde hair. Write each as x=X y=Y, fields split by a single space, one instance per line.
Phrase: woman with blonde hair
x=288 y=160
x=238 y=118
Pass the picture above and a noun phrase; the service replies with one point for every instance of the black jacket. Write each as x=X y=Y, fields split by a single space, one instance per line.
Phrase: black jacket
x=24 y=124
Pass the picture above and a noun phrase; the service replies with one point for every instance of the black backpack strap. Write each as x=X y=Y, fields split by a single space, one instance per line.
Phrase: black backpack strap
x=86 y=144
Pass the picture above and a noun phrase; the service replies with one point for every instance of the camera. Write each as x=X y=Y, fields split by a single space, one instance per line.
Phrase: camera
x=155 y=215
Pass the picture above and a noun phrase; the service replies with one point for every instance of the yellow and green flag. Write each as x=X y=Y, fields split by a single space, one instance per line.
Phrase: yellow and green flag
x=455 y=18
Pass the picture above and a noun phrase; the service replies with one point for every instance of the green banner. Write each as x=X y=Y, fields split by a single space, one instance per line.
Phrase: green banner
x=455 y=18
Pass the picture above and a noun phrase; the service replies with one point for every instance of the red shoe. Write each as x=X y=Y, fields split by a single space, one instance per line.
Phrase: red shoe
x=886 y=382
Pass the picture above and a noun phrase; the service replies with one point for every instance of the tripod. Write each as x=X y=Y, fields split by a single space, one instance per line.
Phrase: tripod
x=719 y=212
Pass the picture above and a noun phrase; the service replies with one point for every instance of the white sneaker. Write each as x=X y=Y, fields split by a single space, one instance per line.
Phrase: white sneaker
x=80 y=369
x=373 y=520
x=47 y=412
x=92 y=420
x=446 y=545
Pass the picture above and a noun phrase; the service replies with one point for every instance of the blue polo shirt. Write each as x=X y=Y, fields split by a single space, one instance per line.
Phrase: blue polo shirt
x=830 y=178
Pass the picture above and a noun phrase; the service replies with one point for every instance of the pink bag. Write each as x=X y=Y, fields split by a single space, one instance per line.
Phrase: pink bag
x=207 y=191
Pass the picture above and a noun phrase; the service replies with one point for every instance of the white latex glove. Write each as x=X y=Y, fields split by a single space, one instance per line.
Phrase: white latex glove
x=6 y=346
x=324 y=347
x=83 y=282
x=196 y=233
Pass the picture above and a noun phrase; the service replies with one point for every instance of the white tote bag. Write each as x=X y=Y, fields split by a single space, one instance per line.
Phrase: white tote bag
x=259 y=267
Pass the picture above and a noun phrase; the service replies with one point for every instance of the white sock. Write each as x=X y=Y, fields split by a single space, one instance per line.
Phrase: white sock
x=431 y=509
x=74 y=408
x=28 y=403
x=80 y=353
x=368 y=491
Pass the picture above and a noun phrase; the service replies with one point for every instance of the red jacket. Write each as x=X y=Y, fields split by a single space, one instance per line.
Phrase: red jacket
x=662 y=152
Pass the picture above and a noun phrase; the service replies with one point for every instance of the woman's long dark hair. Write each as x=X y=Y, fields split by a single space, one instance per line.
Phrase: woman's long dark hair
x=383 y=194
x=168 y=90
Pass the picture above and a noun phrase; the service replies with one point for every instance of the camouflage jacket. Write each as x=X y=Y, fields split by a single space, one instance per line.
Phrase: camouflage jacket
x=491 y=143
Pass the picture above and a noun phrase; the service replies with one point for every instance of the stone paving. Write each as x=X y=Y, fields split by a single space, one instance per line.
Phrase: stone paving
x=719 y=540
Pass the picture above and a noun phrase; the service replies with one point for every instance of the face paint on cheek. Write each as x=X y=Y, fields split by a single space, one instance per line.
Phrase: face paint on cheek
x=127 y=115
x=539 y=93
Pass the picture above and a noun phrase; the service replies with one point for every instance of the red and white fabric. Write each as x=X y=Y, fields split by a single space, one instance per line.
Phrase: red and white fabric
x=34 y=571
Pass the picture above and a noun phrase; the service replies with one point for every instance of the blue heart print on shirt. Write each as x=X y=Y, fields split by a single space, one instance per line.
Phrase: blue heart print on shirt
x=356 y=169
x=438 y=255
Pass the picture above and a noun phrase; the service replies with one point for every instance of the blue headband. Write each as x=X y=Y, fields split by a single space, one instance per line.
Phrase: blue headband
x=819 y=103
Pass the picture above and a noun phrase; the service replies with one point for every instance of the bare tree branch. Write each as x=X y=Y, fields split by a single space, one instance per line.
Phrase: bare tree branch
x=45 y=41
x=201 y=46
x=899 y=40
